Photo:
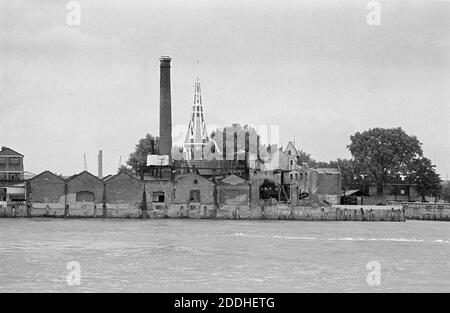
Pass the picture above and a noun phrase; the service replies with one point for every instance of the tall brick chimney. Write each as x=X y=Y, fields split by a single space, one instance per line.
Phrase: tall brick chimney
x=165 y=109
x=100 y=164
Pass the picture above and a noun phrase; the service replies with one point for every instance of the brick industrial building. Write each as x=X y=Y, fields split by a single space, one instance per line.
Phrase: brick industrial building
x=12 y=175
x=188 y=195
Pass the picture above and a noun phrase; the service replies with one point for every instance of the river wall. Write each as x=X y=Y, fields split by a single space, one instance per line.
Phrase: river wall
x=192 y=196
x=208 y=211
x=427 y=211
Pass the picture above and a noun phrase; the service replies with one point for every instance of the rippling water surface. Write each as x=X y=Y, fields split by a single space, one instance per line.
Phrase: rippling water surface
x=222 y=256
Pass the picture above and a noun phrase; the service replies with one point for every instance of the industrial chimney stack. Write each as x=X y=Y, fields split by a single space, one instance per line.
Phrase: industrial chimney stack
x=100 y=164
x=165 y=109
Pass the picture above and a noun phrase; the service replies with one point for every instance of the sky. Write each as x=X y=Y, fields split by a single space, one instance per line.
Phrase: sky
x=315 y=69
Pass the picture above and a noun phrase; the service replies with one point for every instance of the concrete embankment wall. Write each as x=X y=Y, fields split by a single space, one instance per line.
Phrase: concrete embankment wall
x=209 y=211
x=371 y=212
x=427 y=212
x=13 y=210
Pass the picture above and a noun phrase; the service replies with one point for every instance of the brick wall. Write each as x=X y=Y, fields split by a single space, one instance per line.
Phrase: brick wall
x=233 y=194
x=123 y=189
x=84 y=182
x=329 y=184
x=159 y=186
x=46 y=188
x=185 y=184
x=257 y=179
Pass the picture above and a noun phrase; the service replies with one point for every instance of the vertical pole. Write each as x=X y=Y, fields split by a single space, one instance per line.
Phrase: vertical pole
x=235 y=146
x=165 y=109
x=224 y=143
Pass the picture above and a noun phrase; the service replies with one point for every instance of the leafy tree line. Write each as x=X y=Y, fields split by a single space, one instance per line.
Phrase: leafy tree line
x=381 y=156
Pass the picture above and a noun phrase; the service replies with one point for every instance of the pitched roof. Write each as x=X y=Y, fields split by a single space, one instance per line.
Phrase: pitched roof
x=5 y=151
x=290 y=146
x=83 y=173
x=28 y=175
x=233 y=180
x=326 y=170
x=46 y=172
x=350 y=192
x=107 y=177
x=121 y=173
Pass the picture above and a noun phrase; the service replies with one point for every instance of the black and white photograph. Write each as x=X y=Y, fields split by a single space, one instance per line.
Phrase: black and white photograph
x=224 y=152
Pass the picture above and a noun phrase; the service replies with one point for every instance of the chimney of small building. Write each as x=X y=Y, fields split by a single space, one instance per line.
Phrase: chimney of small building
x=235 y=140
x=257 y=147
x=165 y=109
x=4 y=148
x=224 y=143
x=100 y=164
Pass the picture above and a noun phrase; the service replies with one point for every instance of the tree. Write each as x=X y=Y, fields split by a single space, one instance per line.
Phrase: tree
x=382 y=154
x=124 y=168
x=138 y=159
x=304 y=157
x=427 y=180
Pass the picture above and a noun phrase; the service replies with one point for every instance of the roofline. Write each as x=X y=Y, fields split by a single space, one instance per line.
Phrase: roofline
x=46 y=171
x=12 y=151
x=76 y=175
x=120 y=172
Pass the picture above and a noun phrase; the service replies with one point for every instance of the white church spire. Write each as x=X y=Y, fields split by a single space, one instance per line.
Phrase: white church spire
x=196 y=136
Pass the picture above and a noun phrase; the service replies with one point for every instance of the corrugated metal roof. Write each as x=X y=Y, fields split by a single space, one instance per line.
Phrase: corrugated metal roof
x=325 y=170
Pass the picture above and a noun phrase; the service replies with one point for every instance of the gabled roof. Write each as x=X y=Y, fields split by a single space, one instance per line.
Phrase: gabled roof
x=83 y=173
x=233 y=180
x=5 y=151
x=350 y=192
x=326 y=170
x=47 y=172
x=107 y=177
x=290 y=147
x=121 y=173
x=28 y=175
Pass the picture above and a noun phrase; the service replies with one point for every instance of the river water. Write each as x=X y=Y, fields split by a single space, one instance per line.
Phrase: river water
x=223 y=256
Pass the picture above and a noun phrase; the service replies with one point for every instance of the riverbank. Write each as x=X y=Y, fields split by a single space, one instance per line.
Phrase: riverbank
x=234 y=212
x=395 y=213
